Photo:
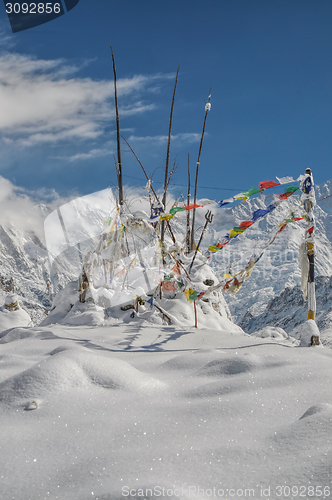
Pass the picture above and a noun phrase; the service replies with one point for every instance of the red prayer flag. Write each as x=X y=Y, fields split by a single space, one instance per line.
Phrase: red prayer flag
x=282 y=227
x=192 y=205
x=221 y=245
x=311 y=230
x=284 y=196
x=268 y=184
x=245 y=224
x=168 y=286
x=176 y=269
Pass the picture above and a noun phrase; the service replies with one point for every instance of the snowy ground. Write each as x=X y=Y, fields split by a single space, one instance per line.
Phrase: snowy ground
x=99 y=412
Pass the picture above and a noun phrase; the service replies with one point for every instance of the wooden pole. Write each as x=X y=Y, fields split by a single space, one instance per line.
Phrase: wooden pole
x=188 y=239
x=207 y=109
x=195 y=313
x=308 y=199
x=168 y=152
x=208 y=218
x=119 y=166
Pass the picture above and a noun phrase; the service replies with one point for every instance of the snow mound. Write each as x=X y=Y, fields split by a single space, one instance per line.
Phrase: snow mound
x=271 y=332
x=75 y=368
x=230 y=365
x=10 y=364
x=87 y=314
x=322 y=407
x=274 y=332
x=190 y=361
x=24 y=333
x=12 y=319
x=308 y=438
x=235 y=372
x=62 y=303
x=67 y=310
x=305 y=332
x=237 y=363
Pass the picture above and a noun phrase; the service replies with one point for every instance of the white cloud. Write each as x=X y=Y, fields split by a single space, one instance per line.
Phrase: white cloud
x=18 y=207
x=7 y=39
x=162 y=139
x=93 y=153
x=43 y=101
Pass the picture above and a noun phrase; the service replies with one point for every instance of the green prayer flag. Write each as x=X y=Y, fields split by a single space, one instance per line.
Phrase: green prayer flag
x=251 y=191
x=193 y=296
x=176 y=209
x=291 y=189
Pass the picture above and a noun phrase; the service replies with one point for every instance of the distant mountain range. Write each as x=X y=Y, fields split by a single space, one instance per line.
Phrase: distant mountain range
x=271 y=296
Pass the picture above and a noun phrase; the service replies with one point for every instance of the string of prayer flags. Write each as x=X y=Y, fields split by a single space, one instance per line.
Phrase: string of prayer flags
x=262 y=186
x=175 y=210
x=218 y=246
x=234 y=283
x=256 y=215
x=158 y=211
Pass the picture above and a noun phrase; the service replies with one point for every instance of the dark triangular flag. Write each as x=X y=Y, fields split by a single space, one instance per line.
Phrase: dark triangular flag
x=70 y=4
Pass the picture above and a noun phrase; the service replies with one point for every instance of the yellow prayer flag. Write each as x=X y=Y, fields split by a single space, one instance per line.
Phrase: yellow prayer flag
x=233 y=233
x=166 y=216
x=188 y=293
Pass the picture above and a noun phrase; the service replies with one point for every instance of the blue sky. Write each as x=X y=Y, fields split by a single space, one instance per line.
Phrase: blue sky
x=269 y=64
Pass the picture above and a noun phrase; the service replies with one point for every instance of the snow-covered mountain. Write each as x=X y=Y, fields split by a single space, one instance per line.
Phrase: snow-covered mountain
x=270 y=296
x=25 y=269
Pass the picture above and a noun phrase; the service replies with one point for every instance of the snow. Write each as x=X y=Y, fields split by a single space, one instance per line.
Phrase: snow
x=12 y=319
x=91 y=412
x=305 y=332
x=106 y=403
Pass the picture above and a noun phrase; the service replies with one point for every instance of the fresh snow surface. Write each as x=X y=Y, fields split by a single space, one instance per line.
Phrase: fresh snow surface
x=12 y=319
x=91 y=412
